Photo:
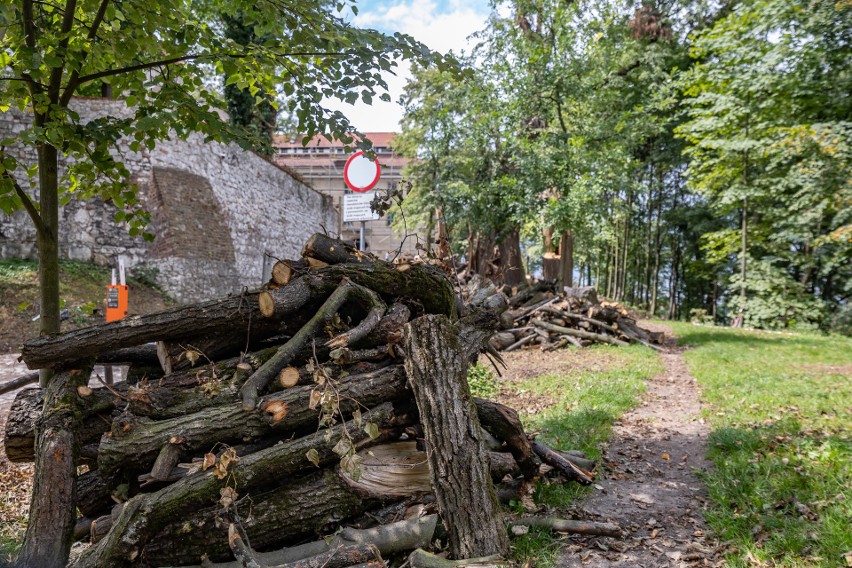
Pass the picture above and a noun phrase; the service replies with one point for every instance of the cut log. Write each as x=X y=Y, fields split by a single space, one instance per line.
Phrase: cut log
x=504 y=424
x=422 y=559
x=20 y=382
x=558 y=461
x=578 y=333
x=287 y=352
x=26 y=410
x=570 y=526
x=437 y=362
x=396 y=537
x=333 y=251
x=266 y=304
x=285 y=271
x=145 y=515
x=294 y=510
x=93 y=494
x=134 y=445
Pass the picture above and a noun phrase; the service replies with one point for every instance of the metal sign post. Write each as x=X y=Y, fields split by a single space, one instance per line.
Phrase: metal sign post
x=361 y=243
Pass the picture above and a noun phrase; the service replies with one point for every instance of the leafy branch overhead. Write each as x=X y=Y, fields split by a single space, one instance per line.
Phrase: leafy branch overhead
x=164 y=60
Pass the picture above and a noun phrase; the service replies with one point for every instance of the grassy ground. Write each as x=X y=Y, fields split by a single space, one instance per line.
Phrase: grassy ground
x=583 y=403
x=781 y=411
x=82 y=290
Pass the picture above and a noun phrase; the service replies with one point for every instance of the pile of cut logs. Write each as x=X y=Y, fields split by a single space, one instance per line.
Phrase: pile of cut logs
x=541 y=316
x=278 y=416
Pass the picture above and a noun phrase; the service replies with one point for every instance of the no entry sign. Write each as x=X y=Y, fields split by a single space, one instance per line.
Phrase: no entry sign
x=361 y=173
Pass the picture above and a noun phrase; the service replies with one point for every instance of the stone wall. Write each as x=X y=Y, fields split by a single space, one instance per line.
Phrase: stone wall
x=217 y=211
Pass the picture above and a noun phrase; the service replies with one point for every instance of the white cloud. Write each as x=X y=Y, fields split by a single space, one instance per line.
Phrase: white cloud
x=440 y=27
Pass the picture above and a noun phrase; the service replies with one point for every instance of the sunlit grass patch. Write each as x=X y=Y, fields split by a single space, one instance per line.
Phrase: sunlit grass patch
x=781 y=411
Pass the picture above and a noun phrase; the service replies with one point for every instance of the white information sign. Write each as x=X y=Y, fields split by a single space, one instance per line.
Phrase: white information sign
x=356 y=207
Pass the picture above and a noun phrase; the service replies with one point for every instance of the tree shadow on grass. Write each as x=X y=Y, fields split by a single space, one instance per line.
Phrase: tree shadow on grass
x=778 y=491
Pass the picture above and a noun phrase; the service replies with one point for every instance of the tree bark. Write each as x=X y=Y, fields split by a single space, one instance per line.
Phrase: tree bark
x=566 y=259
x=48 y=240
x=294 y=510
x=510 y=257
x=52 y=515
x=437 y=365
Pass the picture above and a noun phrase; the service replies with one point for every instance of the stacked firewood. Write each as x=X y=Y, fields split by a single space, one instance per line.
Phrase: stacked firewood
x=540 y=316
x=274 y=417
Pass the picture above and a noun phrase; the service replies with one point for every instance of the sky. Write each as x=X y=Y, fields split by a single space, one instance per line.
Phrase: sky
x=442 y=25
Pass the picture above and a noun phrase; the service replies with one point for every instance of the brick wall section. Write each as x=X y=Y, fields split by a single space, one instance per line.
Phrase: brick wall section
x=189 y=218
x=253 y=206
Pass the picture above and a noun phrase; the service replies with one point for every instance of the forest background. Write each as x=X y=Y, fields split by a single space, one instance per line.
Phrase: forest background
x=691 y=159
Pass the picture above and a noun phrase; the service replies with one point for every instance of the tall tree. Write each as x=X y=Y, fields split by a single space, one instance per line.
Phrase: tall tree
x=768 y=106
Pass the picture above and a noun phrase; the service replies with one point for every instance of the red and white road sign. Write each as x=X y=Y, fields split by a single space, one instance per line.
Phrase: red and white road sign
x=361 y=173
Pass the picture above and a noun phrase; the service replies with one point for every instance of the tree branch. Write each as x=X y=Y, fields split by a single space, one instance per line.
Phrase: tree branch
x=28 y=204
x=55 y=83
x=29 y=24
x=73 y=81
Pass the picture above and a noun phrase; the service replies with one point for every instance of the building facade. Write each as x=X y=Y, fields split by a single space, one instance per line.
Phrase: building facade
x=320 y=164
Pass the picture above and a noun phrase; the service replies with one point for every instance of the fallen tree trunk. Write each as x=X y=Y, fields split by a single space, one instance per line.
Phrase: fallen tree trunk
x=419 y=284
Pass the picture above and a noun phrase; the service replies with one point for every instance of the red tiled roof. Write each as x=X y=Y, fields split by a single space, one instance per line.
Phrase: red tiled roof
x=296 y=161
x=383 y=139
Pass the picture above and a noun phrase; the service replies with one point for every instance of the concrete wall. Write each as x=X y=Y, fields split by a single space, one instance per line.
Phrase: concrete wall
x=216 y=210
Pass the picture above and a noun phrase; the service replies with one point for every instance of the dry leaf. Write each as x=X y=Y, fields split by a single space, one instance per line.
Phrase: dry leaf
x=228 y=496
x=315 y=399
x=372 y=430
x=209 y=460
x=313 y=456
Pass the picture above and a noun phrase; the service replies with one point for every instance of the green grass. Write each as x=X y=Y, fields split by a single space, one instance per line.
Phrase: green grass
x=587 y=405
x=780 y=407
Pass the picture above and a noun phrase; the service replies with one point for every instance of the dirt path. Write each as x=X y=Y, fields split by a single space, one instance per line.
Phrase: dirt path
x=648 y=484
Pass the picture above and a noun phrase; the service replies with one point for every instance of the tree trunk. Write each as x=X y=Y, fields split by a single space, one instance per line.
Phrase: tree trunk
x=510 y=257
x=436 y=365
x=48 y=242
x=52 y=515
x=743 y=254
x=566 y=259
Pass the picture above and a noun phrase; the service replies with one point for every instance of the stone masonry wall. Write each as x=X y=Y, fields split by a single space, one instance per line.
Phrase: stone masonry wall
x=216 y=211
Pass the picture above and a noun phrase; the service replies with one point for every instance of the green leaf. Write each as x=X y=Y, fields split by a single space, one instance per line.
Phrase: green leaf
x=372 y=430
